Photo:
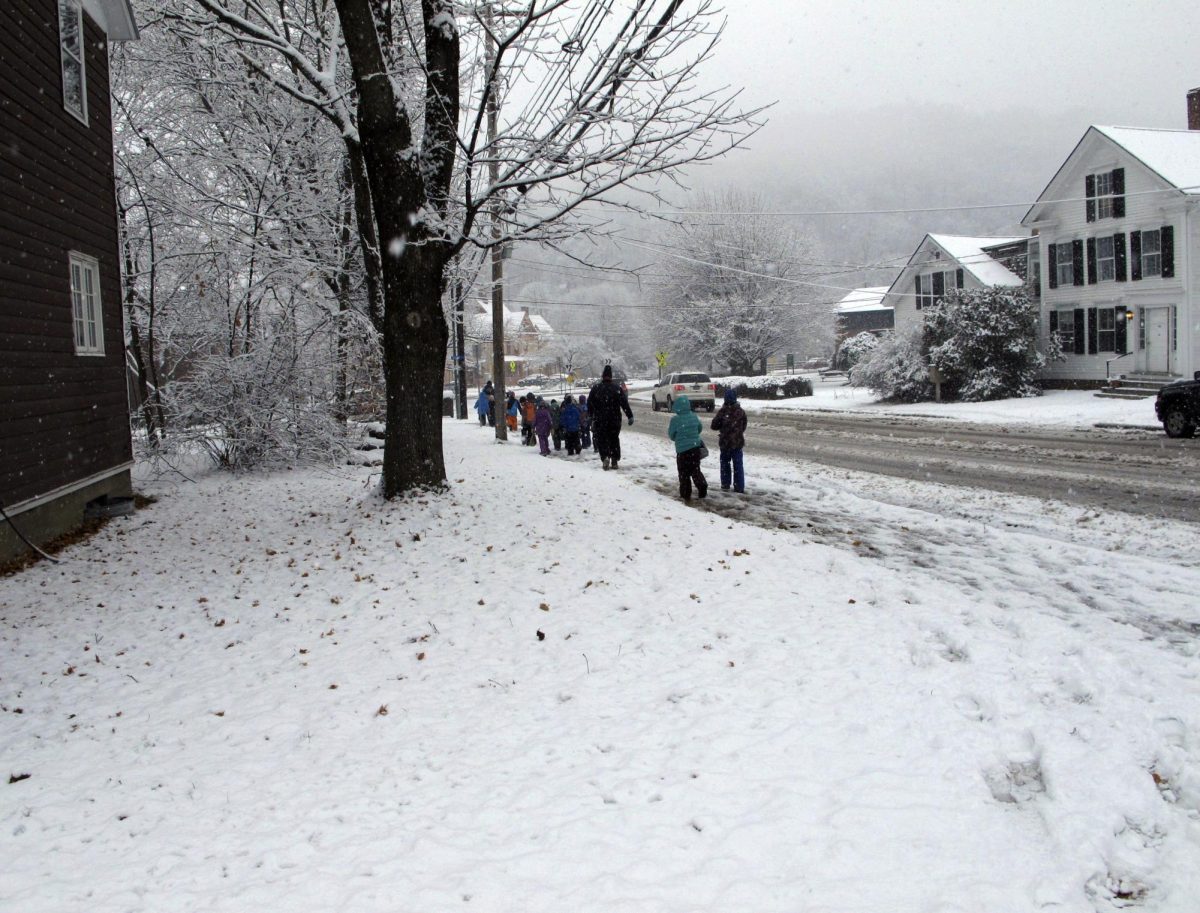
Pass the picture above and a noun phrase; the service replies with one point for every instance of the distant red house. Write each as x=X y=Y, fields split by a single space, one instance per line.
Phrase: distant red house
x=64 y=411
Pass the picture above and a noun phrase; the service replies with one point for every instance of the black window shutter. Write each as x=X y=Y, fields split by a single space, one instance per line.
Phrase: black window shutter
x=1054 y=321
x=1053 y=249
x=1077 y=262
x=917 y=286
x=1167 y=236
x=1091 y=331
x=1135 y=253
x=1119 y=256
x=1118 y=187
x=939 y=285
x=958 y=278
x=1089 y=191
x=1091 y=251
x=1119 y=322
x=1080 y=330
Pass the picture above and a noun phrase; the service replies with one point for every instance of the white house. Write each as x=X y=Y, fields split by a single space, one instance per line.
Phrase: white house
x=943 y=263
x=1118 y=235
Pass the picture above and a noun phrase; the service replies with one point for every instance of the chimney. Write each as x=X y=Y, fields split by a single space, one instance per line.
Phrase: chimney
x=1194 y=109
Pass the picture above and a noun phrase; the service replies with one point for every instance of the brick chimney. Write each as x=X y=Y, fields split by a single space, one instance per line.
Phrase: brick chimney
x=1194 y=109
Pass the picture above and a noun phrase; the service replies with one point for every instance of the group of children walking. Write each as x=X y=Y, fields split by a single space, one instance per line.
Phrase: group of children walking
x=570 y=423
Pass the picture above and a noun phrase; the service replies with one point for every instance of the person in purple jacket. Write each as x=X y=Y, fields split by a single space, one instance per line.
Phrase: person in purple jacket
x=542 y=425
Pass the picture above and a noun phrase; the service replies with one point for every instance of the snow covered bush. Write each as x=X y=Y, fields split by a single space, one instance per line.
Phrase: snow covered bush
x=267 y=407
x=854 y=350
x=767 y=386
x=984 y=341
x=895 y=369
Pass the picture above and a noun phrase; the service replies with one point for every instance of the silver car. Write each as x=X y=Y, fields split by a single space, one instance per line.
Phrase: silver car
x=697 y=387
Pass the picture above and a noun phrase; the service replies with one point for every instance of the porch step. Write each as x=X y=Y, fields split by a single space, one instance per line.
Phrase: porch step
x=1136 y=386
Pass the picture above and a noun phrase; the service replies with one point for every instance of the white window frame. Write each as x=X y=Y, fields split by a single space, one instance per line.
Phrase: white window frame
x=1068 y=338
x=87 y=316
x=1106 y=339
x=1106 y=265
x=1154 y=257
x=73 y=58
x=1104 y=195
x=1067 y=263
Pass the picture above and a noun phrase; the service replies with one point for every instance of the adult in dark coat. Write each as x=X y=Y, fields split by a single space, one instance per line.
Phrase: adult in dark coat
x=606 y=402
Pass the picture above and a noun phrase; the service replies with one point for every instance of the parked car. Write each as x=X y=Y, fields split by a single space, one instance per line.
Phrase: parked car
x=1178 y=407
x=699 y=388
x=533 y=380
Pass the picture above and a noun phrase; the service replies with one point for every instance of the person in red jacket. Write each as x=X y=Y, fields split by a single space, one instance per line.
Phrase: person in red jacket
x=730 y=423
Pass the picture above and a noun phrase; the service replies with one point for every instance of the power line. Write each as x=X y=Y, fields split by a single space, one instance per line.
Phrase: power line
x=900 y=211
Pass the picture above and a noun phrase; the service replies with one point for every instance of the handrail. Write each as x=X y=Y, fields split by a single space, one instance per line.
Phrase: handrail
x=1110 y=361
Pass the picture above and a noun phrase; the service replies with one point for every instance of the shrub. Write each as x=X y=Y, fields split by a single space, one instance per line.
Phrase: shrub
x=769 y=387
x=984 y=341
x=854 y=350
x=895 y=369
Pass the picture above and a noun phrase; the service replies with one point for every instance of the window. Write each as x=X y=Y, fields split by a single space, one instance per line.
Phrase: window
x=1033 y=271
x=1064 y=266
x=1106 y=259
x=1151 y=253
x=1064 y=325
x=933 y=287
x=70 y=40
x=1104 y=189
x=1106 y=329
x=85 y=305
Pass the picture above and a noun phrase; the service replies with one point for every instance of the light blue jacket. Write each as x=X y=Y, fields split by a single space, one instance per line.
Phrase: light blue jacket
x=684 y=429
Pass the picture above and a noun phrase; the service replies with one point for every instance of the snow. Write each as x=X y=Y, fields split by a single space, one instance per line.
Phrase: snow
x=836 y=693
x=1173 y=154
x=1055 y=408
x=970 y=254
x=864 y=299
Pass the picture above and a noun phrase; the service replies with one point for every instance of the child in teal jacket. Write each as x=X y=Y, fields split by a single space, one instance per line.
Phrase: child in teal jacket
x=684 y=430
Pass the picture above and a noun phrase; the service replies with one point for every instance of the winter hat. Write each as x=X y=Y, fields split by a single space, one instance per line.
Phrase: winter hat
x=606 y=374
x=730 y=395
x=567 y=400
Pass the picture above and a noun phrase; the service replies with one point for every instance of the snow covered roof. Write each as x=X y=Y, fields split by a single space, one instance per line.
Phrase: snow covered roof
x=971 y=256
x=864 y=299
x=1172 y=154
x=540 y=324
x=480 y=324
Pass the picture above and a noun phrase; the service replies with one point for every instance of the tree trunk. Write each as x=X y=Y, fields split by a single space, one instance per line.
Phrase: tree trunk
x=413 y=261
x=414 y=346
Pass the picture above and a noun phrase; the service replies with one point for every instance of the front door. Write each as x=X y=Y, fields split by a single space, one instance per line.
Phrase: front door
x=1158 y=340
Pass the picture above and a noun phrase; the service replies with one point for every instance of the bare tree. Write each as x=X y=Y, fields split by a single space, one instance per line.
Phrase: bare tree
x=234 y=236
x=618 y=100
x=737 y=294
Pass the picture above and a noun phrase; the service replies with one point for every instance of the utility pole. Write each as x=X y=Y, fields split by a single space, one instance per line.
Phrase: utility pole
x=460 y=352
x=493 y=128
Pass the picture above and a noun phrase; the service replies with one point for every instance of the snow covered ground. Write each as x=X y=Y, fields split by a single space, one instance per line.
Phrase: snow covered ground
x=553 y=688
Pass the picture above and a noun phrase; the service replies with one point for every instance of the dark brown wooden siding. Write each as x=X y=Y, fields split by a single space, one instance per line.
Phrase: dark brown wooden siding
x=63 y=417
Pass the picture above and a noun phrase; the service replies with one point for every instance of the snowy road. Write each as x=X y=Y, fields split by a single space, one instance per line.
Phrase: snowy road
x=1139 y=472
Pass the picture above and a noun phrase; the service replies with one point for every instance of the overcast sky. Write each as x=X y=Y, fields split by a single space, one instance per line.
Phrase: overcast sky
x=1133 y=60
